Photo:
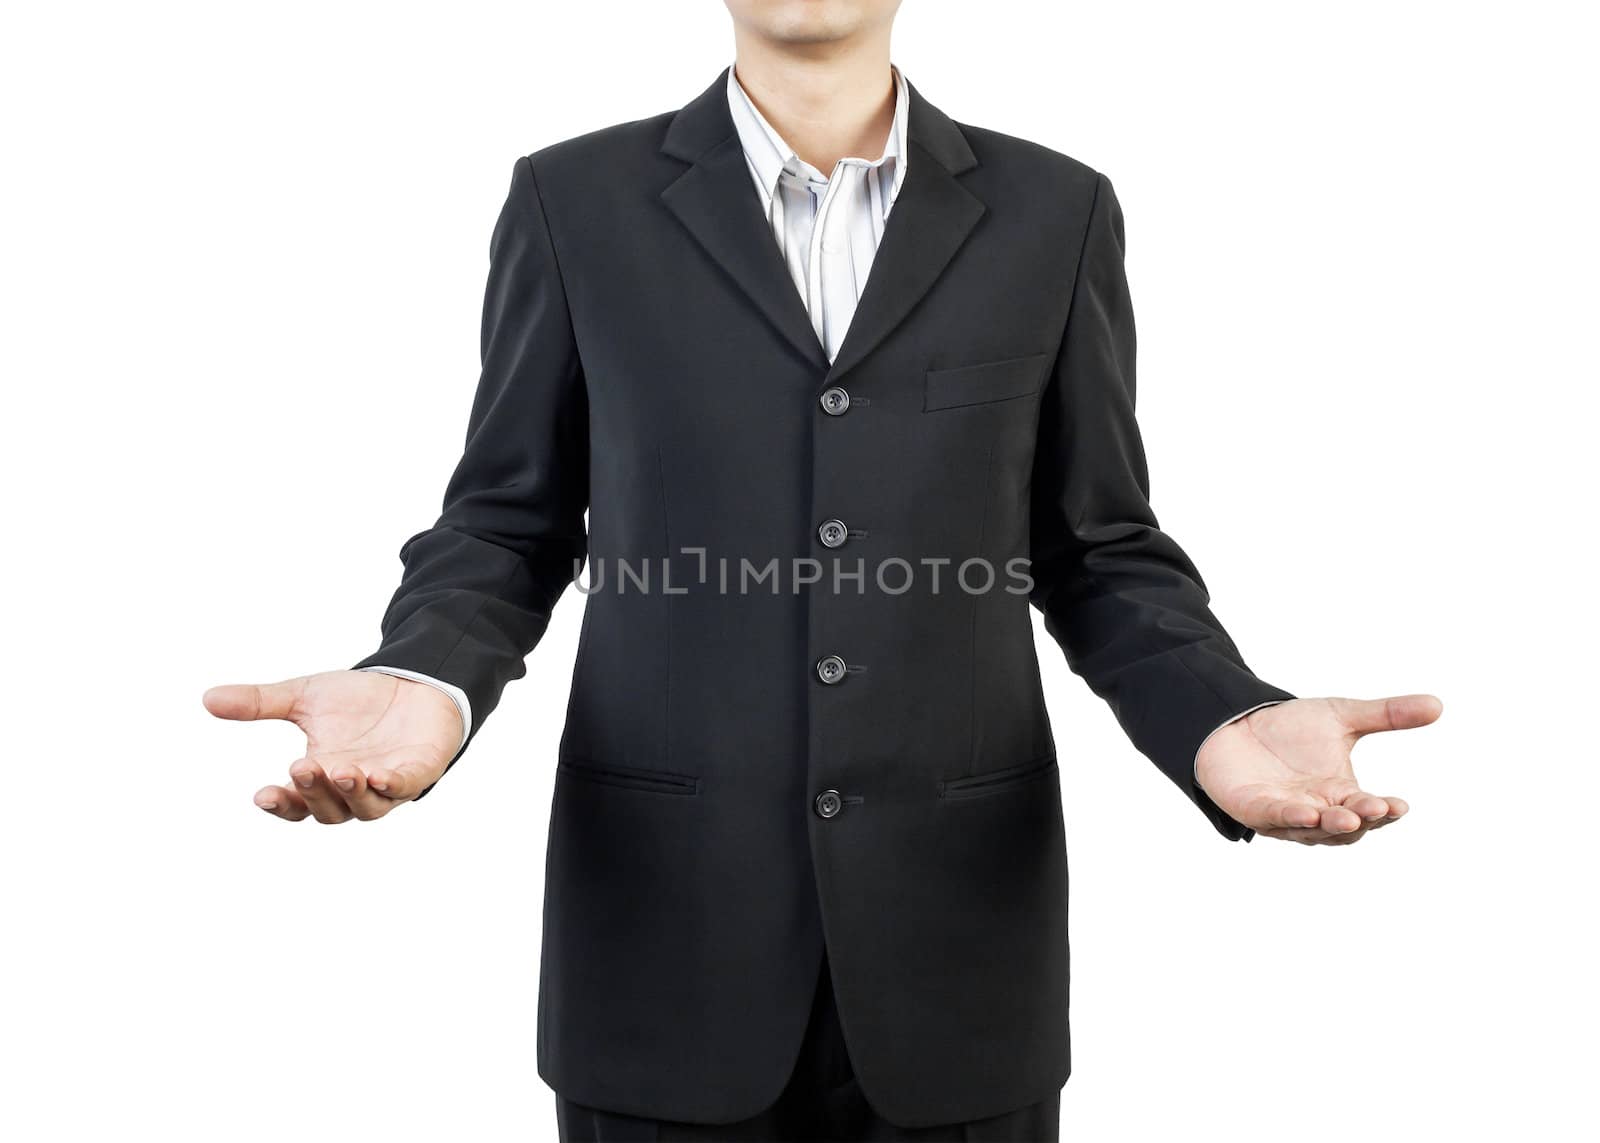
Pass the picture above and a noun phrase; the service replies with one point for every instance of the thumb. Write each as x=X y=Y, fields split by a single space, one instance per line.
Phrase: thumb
x=247 y=702
x=1402 y=712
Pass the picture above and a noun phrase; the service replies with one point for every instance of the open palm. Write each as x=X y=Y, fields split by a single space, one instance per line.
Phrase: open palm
x=1285 y=770
x=372 y=740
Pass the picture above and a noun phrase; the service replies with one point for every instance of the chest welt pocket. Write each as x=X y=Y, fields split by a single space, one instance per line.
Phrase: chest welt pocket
x=985 y=383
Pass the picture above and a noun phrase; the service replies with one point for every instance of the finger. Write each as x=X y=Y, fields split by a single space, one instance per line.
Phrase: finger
x=325 y=802
x=364 y=803
x=247 y=702
x=1368 y=807
x=1397 y=810
x=1316 y=836
x=1337 y=820
x=283 y=802
x=403 y=781
x=1284 y=814
x=1320 y=836
x=1303 y=836
x=1403 y=712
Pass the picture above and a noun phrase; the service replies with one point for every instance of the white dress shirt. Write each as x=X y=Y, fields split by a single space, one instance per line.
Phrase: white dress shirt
x=827 y=228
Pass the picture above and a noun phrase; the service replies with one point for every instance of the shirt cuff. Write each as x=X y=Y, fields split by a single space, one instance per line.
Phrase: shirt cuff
x=1195 y=766
x=457 y=696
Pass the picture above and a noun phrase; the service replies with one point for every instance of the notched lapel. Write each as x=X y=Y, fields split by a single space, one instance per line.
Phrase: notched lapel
x=715 y=200
x=931 y=219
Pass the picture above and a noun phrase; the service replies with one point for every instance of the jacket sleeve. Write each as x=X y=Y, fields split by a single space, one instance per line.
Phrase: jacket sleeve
x=1124 y=601
x=477 y=588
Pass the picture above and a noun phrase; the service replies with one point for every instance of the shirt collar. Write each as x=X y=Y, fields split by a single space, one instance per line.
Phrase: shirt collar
x=768 y=155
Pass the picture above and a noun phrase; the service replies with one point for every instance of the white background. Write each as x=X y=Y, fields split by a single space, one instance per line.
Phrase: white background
x=243 y=253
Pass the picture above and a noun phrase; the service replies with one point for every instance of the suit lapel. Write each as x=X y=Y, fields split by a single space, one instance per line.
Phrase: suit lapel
x=717 y=203
x=931 y=218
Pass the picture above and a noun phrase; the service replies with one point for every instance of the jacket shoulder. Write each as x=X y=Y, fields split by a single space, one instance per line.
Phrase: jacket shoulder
x=615 y=149
x=1017 y=157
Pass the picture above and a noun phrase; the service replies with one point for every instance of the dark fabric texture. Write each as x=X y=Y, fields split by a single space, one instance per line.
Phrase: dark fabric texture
x=647 y=359
x=822 y=1101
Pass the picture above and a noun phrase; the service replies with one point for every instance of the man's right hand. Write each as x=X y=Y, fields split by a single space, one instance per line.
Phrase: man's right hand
x=372 y=740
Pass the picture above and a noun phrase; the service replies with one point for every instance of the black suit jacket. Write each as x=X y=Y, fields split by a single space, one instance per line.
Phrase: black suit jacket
x=647 y=358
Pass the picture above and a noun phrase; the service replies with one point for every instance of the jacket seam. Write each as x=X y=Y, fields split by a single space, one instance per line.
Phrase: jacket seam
x=555 y=254
x=977 y=604
x=666 y=620
x=1077 y=277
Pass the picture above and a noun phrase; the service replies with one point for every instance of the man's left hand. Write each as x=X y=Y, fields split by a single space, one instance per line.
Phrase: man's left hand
x=1285 y=770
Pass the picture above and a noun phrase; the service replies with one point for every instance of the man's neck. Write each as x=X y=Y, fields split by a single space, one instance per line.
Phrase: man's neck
x=827 y=101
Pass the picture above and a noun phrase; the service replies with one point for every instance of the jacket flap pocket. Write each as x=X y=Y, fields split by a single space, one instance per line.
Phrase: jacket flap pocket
x=997 y=781
x=990 y=381
x=628 y=778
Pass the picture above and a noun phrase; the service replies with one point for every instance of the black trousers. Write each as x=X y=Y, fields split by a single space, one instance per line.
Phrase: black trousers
x=821 y=1101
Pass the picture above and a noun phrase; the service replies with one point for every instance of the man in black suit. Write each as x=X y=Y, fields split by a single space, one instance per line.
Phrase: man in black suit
x=806 y=875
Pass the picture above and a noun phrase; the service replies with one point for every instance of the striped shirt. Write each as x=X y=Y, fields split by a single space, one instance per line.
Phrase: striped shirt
x=827 y=226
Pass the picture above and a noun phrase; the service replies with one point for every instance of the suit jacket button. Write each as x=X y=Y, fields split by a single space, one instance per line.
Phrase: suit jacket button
x=831 y=669
x=833 y=533
x=835 y=401
x=829 y=803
